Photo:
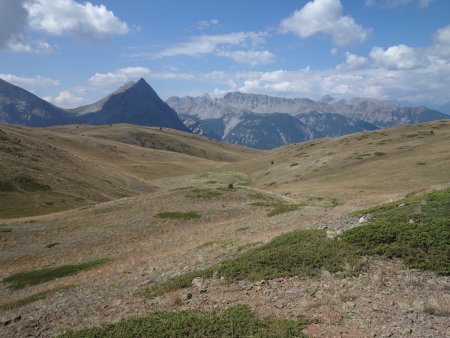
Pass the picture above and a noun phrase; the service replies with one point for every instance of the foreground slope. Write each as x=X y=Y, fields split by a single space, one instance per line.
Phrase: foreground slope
x=200 y=221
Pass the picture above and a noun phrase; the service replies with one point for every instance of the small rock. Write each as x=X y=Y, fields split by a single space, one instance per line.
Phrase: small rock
x=188 y=296
x=406 y=331
x=411 y=221
x=199 y=284
x=401 y=205
x=249 y=287
x=363 y=219
x=280 y=305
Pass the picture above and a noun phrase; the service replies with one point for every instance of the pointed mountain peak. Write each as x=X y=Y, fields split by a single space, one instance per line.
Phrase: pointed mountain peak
x=142 y=83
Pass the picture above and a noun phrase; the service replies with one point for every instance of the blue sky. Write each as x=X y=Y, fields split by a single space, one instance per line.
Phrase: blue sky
x=74 y=52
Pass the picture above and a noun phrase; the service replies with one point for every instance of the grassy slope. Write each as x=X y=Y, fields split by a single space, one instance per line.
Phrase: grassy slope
x=78 y=169
x=363 y=169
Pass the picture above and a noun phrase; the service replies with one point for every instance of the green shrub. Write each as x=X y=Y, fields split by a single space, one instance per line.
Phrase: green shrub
x=33 y=298
x=29 y=184
x=23 y=279
x=416 y=229
x=186 y=215
x=203 y=193
x=237 y=321
x=302 y=252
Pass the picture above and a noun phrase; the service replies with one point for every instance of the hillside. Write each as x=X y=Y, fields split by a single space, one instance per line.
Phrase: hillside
x=111 y=261
x=45 y=170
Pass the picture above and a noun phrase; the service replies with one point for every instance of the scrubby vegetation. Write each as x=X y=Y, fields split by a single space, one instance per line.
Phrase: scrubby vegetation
x=23 y=279
x=33 y=298
x=203 y=193
x=416 y=229
x=186 y=215
x=276 y=206
x=302 y=252
x=237 y=321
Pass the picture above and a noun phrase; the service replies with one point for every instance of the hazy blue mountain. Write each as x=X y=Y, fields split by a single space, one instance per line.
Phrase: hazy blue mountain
x=267 y=131
x=18 y=106
x=332 y=124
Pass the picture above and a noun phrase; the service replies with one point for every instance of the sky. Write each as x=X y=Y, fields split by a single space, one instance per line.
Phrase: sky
x=74 y=52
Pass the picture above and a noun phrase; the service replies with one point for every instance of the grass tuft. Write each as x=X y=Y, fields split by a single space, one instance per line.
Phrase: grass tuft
x=23 y=279
x=236 y=321
x=186 y=215
x=203 y=193
x=33 y=298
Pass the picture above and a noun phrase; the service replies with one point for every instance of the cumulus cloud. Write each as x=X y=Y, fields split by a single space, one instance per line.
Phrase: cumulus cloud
x=20 y=18
x=13 y=19
x=399 y=57
x=325 y=17
x=70 y=18
x=29 y=82
x=66 y=99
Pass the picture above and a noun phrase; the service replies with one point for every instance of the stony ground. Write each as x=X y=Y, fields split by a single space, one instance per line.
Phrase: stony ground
x=386 y=300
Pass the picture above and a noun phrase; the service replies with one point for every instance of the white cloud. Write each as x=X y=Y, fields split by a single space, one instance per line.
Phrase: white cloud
x=223 y=45
x=354 y=62
x=205 y=24
x=66 y=99
x=118 y=77
x=324 y=17
x=251 y=57
x=396 y=3
x=399 y=57
x=70 y=18
x=29 y=82
x=13 y=18
x=207 y=44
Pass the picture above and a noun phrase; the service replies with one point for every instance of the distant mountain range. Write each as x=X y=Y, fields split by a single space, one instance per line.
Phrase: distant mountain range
x=135 y=103
x=265 y=122
x=257 y=121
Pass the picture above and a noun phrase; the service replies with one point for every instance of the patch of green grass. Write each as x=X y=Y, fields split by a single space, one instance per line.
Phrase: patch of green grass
x=186 y=215
x=30 y=184
x=379 y=153
x=236 y=321
x=51 y=245
x=23 y=279
x=416 y=229
x=281 y=208
x=293 y=164
x=276 y=206
x=302 y=252
x=203 y=193
x=5 y=230
x=242 y=229
x=225 y=177
x=7 y=186
x=33 y=298
x=421 y=163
